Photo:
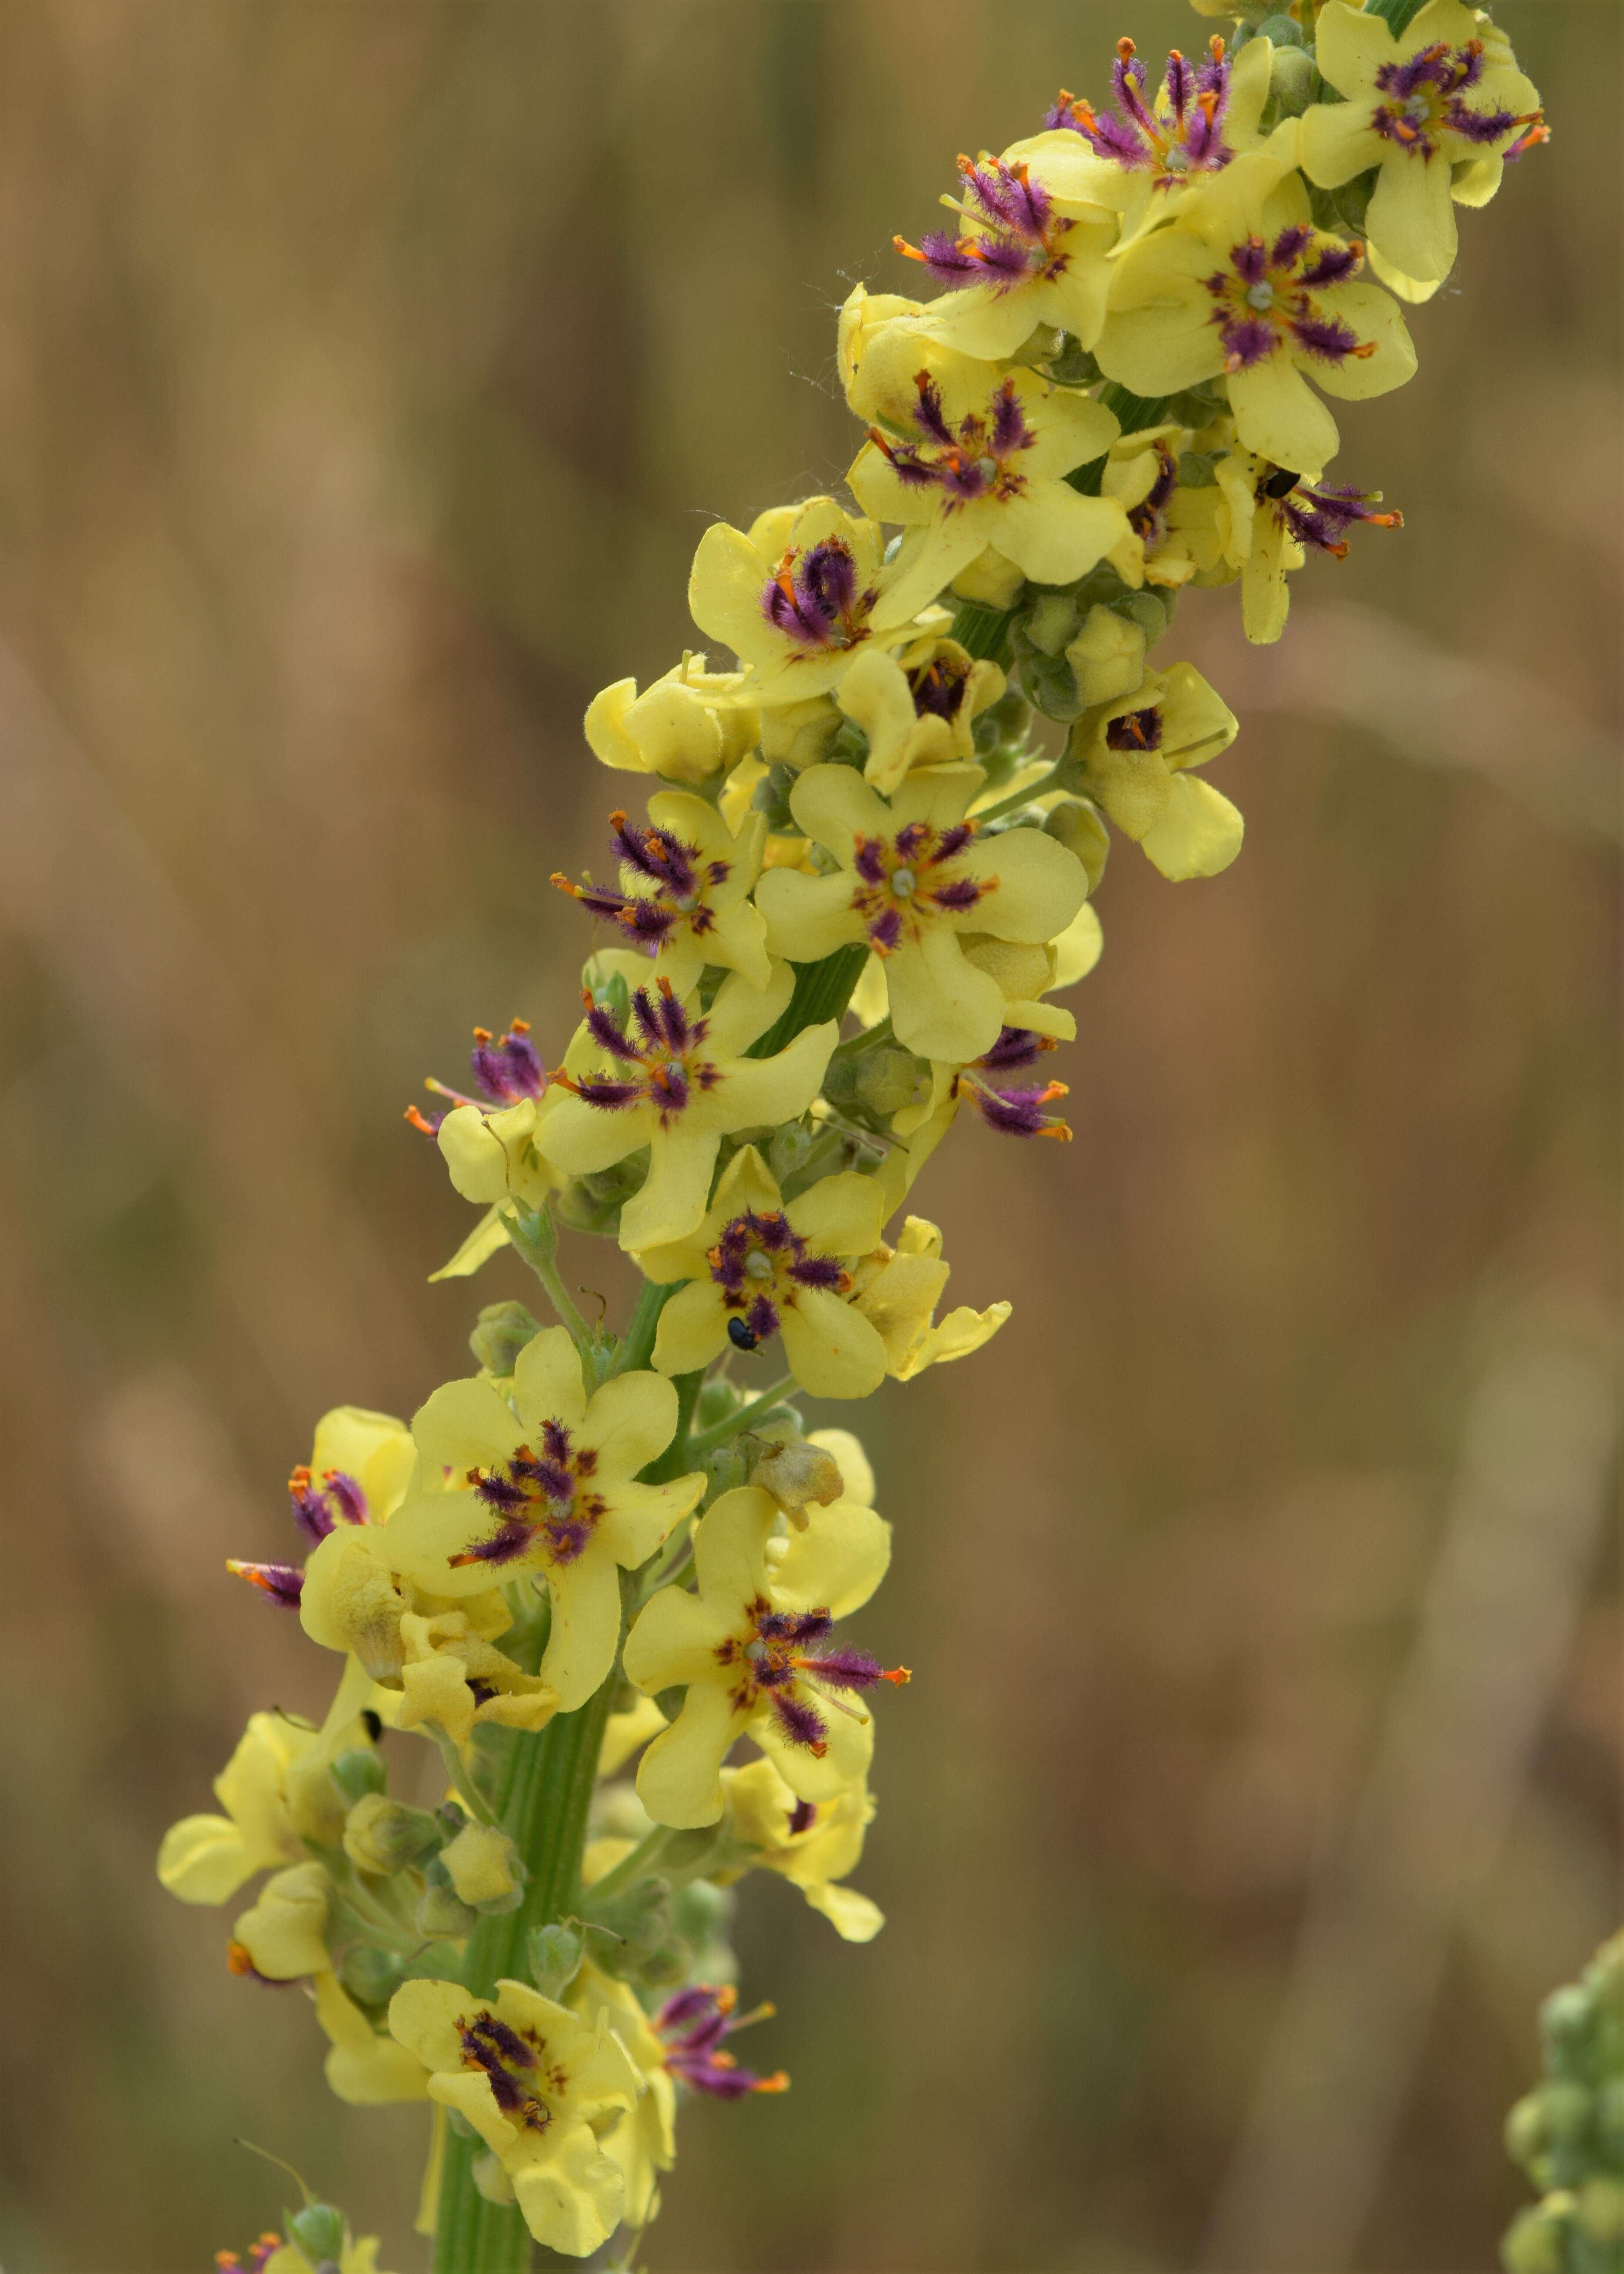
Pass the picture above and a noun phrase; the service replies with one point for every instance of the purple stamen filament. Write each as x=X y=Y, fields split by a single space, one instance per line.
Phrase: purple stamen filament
x=1018 y=235
x=1173 y=136
x=975 y=459
x=780 y=1661
x=538 y=1499
x=512 y=2062
x=681 y=880
x=660 y=1052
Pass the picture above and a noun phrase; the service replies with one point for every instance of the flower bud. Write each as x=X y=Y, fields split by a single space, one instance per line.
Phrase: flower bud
x=358 y=1770
x=1610 y=2116
x=384 y=1836
x=1601 y=2209
x=1077 y=825
x=485 y=1868
x=1533 y=2244
x=371 y=1976
x=319 y=2231
x=1107 y=657
x=1525 y=2129
x=1050 y=622
x=727 y=1467
x=1293 y=81
x=989 y=582
x=1565 y=2110
x=1565 y=2017
x=501 y=1333
x=797 y=734
x=556 y=1957
x=442 y=1917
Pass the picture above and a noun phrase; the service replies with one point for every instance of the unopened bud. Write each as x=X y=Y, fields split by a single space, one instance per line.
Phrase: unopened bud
x=1077 y=825
x=485 y=1868
x=990 y=581
x=1601 y=2209
x=727 y=1467
x=383 y=1835
x=1050 y=622
x=555 y=1955
x=370 y=1974
x=891 y=1078
x=1564 y=2109
x=442 y=1917
x=789 y=1150
x=1533 y=2244
x=501 y=1333
x=358 y=1771
x=1610 y=2116
x=1107 y=657
x=319 y=2231
x=1282 y=30
x=1525 y=2129
x=1565 y=2017
x=1294 y=81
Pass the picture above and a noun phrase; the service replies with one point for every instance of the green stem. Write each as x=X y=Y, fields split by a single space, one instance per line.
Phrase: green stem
x=548 y=1780
x=536 y=1238
x=723 y=1430
x=983 y=632
x=544 y=1807
x=638 y=1347
x=461 y=1783
x=1017 y=798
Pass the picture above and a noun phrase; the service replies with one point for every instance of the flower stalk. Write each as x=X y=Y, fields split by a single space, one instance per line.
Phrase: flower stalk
x=590 y=1571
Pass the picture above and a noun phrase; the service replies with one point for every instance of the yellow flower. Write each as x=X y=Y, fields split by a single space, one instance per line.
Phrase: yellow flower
x=1264 y=520
x=813 y=1844
x=454 y=1677
x=545 y=1485
x=678 y=1080
x=538 y=2086
x=793 y=598
x=643 y=2142
x=354 y=1599
x=276 y=1794
x=1242 y=285
x=1416 y=107
x=688 y=726
x=914 y=874
x=756 y=1267
x=965 y=458
x=899 y=1288
x=364 y=2066
x=918 y=708
x=1027 y=255
x=1131 y=756
x=284 y=1935
x=751 y=1649
x=685 y=887
x=1161 y=146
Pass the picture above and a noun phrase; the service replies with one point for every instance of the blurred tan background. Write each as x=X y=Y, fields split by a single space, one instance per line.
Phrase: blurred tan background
x=368 y=369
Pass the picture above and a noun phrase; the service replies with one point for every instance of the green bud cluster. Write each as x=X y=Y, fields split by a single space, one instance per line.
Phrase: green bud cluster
x=1569 y=2133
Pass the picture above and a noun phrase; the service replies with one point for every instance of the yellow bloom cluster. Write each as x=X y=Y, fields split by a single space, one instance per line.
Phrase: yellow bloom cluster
x=866 y=867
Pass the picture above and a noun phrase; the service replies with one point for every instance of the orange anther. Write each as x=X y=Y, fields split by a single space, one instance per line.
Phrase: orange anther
x=482 y=1034
x=1125 y=47
x=418 y=1123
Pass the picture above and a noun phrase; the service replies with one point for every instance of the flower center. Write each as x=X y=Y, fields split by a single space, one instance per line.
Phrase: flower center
x=659 y=1056
x=1177 y=134
x=674 y=879
x=761 y=1264
x=1015 y=233
x=1265 y=299
x=1427 y=100
x=814 y=599
x=538 y=1500
x=904 y=881
x=513 y=2063
x=975 y=459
